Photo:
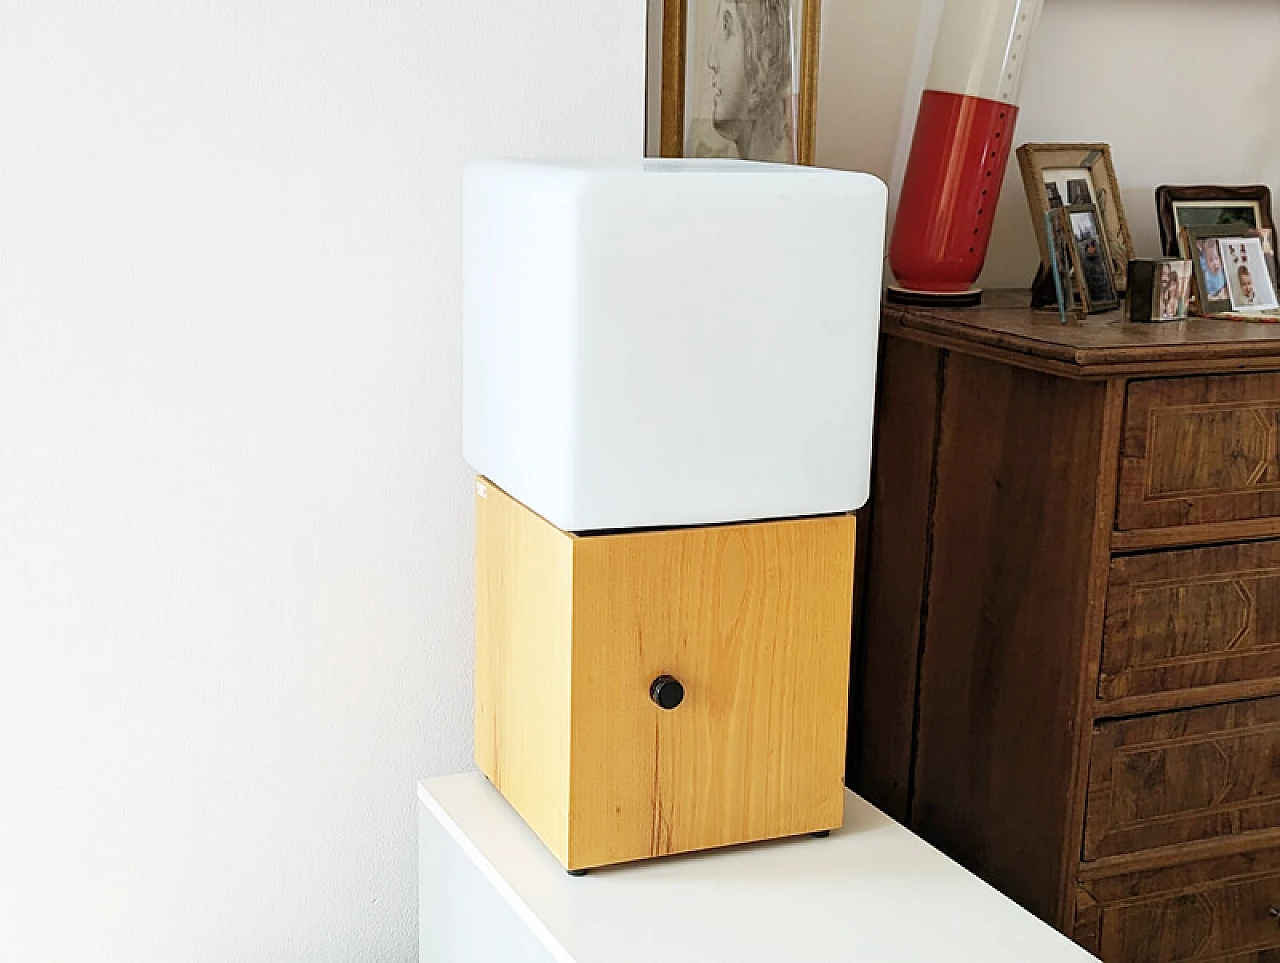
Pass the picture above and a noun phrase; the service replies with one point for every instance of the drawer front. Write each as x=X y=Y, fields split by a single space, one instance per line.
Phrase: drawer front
x=1179 y=621
x=1200 y=450
x=1216 y=909
x=1174 y=777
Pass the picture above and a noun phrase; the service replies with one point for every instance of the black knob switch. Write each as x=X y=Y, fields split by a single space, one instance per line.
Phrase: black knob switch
x=666 y=691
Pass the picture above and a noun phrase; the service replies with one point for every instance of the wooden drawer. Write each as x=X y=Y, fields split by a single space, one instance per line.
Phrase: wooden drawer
x=1173 y=777
x=1209 y=909
x=1189 y=619
x=1200 y=450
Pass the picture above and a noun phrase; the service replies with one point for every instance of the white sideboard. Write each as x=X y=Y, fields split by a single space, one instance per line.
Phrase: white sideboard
x=872 y=892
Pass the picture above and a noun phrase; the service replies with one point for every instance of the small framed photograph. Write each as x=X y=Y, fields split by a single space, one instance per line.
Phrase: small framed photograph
x=1207 y=206
x=739 y=79
x=1203 y=244
x=1174 y=290
x=1059 y=272
x=1248 y=276
x=1159 y=289
x=1090 y=259
x=1057 y=176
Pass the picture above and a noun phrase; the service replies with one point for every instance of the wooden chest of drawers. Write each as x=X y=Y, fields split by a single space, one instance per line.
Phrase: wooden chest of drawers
x=1068 y=670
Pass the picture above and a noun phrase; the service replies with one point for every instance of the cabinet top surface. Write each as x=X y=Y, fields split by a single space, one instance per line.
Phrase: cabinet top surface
x=871 y=892
x=1103 y=344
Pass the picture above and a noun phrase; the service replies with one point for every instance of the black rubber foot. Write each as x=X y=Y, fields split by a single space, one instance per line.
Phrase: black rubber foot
x=930 y=299
x=577 y=872
x=821 y=834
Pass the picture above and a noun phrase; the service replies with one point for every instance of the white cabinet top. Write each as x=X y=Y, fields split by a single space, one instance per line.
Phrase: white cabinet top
x=873 y=893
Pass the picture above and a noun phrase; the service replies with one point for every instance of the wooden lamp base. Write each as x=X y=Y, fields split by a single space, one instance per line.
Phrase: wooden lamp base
x=652 y=692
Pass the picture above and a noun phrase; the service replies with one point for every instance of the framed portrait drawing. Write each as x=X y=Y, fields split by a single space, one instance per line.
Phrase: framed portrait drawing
x=739 y=79
x=1207 y=206
x=1056 y=176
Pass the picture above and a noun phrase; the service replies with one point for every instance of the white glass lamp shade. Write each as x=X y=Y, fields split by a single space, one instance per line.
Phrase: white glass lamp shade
x=660 y=343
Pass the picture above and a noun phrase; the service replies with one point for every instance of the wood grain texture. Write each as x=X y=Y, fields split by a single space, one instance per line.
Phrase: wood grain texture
x=1139 y=705
x=524 y=568
x=1093 y=728
x=1185 y=620
x=1209 y=908
x=1200 y=450
x=882 y=706
x=1146 y=539
x=1095 y=616
x=753 y=619
x=1102 y=346
x=1008 y=615
x=1175 y=777
x=755 y=622
x=671 y=110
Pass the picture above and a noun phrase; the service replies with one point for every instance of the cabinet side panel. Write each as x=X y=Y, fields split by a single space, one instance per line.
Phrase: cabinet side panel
x=461 y=914
x=754 y=621
x=523 y=632
x=1009 y=614
x=882 y=704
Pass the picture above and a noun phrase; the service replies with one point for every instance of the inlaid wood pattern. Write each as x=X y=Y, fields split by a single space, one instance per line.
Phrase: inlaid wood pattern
x=1209 y=909
x=1200 y=450
x=1179 y=776
x=1188 y=619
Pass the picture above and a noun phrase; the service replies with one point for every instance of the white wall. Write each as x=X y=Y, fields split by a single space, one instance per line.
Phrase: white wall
x=235 y=589
x=1183 y=90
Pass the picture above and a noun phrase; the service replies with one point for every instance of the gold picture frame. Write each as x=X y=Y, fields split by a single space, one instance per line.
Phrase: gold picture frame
x=678 y=20
x=1065 y=166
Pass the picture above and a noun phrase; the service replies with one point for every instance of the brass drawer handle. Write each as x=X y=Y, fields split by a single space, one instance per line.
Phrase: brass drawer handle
x=1274 y=913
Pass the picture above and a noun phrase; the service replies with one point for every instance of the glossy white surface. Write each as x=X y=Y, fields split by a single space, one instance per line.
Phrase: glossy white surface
x=982 y=46
x=872 y=893
x=671 y=342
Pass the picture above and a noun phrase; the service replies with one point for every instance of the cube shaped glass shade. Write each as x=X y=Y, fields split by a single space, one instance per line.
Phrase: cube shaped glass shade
x=671 y=342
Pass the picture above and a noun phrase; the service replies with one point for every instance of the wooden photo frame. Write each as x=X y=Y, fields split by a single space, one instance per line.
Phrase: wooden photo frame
x=1209 y=206
x=1061 y=175
x=1091 y=261
x=709 y=107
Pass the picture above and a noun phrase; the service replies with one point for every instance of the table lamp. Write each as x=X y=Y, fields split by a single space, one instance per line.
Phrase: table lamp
x=668 y=384
x=964 y=131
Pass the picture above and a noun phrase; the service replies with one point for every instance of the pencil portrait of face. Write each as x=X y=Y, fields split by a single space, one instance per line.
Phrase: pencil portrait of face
x=749 y=57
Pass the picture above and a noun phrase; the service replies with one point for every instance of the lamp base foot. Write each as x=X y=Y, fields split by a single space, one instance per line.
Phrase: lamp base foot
x=934 y=299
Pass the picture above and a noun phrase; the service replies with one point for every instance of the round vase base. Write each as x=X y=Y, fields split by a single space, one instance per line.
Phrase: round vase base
x=934 y=299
